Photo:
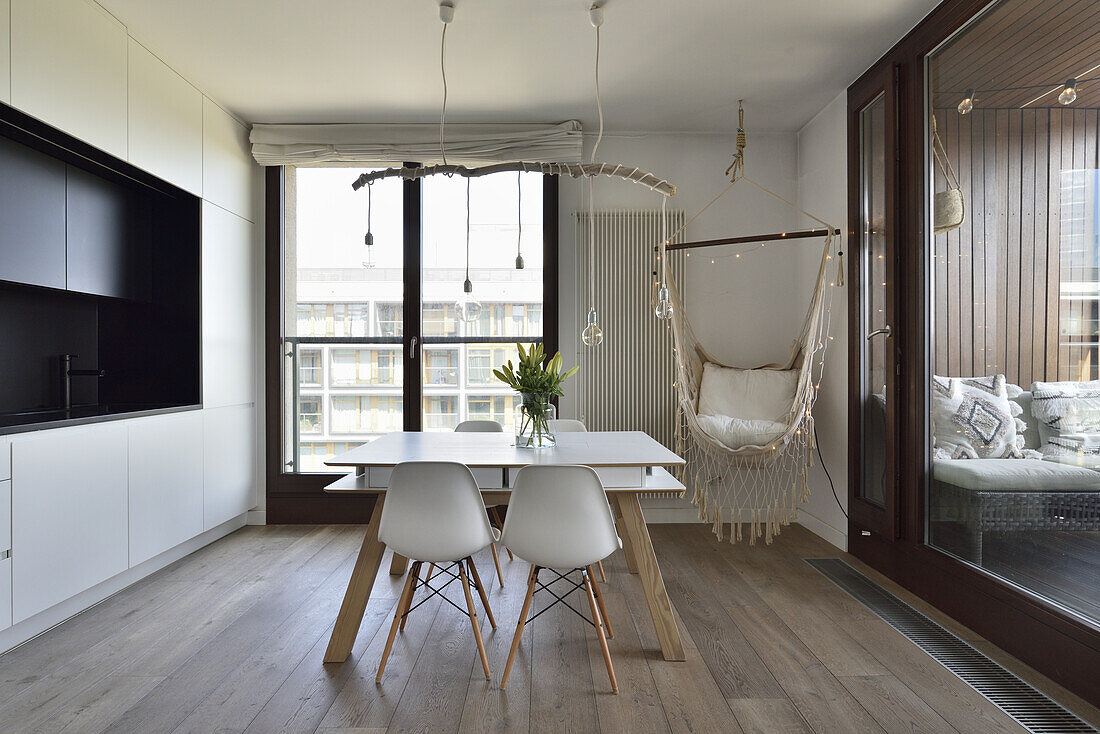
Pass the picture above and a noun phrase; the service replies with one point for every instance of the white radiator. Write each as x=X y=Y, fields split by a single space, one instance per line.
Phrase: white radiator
x=625 y=384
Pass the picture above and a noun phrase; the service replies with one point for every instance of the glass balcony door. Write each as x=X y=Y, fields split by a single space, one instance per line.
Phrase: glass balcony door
x=373 y=341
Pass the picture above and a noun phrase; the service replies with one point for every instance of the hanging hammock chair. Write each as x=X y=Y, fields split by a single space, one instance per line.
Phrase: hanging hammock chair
x=748 y=434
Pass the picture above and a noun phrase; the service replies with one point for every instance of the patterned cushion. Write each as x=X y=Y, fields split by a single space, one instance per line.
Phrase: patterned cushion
x=973 y=418
x=1070 y=415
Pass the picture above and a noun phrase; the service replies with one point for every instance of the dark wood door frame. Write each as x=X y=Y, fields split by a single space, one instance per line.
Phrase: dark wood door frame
x=299 y=498
x=1059 y=644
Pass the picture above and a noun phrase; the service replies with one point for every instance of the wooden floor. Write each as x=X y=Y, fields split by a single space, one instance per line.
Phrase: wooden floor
x=231 y=639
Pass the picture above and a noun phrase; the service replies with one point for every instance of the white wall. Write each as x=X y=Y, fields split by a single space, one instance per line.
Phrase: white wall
x=76 y=67
x=823 y=190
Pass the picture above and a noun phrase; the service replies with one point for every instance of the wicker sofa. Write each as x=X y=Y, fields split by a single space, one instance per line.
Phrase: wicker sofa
x=971 y=497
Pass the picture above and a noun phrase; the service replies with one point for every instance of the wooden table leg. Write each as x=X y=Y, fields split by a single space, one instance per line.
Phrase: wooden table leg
x=628 y=549
x=656 y=596
x=359 y=588
x=398 y=565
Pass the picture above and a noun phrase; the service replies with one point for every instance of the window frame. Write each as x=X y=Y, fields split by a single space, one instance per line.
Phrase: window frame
x=299 y=497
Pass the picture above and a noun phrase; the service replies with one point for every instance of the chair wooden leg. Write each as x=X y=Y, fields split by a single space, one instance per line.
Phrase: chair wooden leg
x=402 y=604
x=431 y=571
x=600 y=604
x=473 y=619
x=496 y=562
x=494 y=515
x=414 y=574
x=531 y=579
x=481 y=592
x=603 y=576
x=599 y=630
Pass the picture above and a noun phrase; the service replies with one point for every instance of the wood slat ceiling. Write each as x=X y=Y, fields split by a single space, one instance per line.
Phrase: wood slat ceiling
x=1022 y=43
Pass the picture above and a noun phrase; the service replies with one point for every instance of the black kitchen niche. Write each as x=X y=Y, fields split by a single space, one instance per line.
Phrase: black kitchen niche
x=100 y=260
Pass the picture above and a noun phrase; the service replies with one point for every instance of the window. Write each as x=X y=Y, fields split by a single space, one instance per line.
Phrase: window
x=309 y=414
x=348 y=328
x=309 y=367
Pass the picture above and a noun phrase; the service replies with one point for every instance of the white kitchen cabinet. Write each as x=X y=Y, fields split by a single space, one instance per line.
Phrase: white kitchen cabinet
x=5 y=53
x=229 y=465
x=68 y=69
x=5 y=517
x=5 y=593
x=5 y=458
x=69 y=514
x=165 y=470
x=227 y=165
x=165 y=133
x=227 y=309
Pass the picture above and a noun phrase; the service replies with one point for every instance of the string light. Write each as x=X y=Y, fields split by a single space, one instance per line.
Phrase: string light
x=968 y=103
x=1069 y=93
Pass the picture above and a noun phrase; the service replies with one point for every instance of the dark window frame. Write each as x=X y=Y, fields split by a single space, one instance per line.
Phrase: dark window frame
x=300 y=498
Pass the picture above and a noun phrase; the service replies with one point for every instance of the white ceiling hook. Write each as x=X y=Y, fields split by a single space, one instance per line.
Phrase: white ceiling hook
x=595 y=15
x=446 y=10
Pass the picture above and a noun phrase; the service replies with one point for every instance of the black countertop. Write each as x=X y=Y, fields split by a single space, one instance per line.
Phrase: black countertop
x=37 y=420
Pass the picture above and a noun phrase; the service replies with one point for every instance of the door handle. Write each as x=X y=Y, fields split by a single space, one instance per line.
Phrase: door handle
x=412 y=347
x=886 y=331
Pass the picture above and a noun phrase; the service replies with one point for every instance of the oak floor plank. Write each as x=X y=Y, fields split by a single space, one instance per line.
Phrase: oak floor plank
x=244 y=692
x=98 y=706
x=562 y=694
x=894 y=706
x=205 y=600
x=192 y=682
x=487 y=709
x=240 y=630
x=769 y=716
x=822 y=699
x=45 y=654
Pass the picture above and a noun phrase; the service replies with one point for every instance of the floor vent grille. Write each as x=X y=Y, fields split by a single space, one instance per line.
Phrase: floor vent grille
x=1033 y=709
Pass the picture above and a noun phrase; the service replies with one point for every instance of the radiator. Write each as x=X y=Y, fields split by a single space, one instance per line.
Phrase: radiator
x=625 y=384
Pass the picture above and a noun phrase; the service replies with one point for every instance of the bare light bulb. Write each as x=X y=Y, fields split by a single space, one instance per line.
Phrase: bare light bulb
x=664 y=304
x=592 y=336
x=467 y=307
x=519 y=262
x=368 y=240
x=1069 y=94
x=968 y=103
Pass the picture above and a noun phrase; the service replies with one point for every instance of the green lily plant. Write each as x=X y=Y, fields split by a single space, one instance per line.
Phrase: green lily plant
x=537 y=383
x=531 y=376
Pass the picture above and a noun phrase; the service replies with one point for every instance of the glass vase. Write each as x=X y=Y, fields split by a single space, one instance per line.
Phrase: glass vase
x=533 y=415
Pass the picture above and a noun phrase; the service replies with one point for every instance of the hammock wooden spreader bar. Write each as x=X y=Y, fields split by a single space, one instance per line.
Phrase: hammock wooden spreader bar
x=574 y=170
x=801 y=234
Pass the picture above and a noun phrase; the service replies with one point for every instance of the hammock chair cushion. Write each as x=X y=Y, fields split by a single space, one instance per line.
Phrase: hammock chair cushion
x=745 y=407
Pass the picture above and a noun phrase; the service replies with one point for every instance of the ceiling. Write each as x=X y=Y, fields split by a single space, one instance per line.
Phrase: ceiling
x=1048 y=42
x=665 y=65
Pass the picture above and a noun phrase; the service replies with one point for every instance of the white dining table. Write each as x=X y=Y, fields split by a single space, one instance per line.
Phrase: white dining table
x=629 y=463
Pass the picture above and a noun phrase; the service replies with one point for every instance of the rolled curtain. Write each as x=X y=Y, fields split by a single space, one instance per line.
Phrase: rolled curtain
x=388 y=145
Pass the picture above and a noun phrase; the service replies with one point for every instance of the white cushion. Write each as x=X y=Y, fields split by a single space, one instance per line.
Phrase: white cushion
x=751 y=395
x=973 y=418
x=737 y=432
x=1016 y=475
x=1069 y=413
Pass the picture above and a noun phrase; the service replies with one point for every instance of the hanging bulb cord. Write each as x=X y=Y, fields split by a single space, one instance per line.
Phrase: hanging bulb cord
x=467 y=236
x=443 y=110
x=591 y=184
x=369 y=211
x=519 y=214
x=664 y=243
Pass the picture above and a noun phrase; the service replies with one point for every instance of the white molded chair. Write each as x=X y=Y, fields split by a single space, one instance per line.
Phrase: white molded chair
x=566 y=425
x=559 y=518
x=494 y=511
x=433 y=512
x=479 y=427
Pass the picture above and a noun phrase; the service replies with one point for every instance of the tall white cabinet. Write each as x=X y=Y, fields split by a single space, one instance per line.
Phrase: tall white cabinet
x=86 y=510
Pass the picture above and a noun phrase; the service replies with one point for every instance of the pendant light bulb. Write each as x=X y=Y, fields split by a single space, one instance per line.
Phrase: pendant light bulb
x=664 y=304
x=968 y=103
x=592 y=336
x=368 y=240
x=1069 y=94
x=468 y=308
x=519 y=262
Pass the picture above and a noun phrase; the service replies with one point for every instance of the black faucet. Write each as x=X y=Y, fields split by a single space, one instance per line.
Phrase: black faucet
x=67 y=373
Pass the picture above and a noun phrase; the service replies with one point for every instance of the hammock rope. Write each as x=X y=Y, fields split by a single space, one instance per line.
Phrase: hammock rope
x=756 y=485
